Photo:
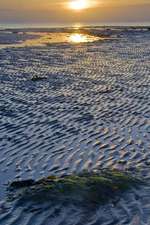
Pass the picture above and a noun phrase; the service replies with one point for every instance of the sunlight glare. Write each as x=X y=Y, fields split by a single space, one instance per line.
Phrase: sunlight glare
x=77 y=38
x=78 y=4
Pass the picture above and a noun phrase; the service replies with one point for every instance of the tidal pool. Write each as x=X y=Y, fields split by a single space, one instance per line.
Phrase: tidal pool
x=47 y=38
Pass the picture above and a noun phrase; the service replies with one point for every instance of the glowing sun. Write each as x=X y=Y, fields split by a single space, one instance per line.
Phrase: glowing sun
x=78 y=4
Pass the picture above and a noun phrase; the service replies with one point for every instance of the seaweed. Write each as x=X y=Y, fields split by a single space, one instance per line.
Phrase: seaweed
x=38 y=78
x=95 y=187
x=20 y=184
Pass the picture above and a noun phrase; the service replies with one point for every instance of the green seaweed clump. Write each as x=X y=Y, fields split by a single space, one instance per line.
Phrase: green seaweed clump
x=86 y=187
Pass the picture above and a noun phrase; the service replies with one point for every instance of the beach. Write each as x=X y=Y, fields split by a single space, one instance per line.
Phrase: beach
x=73 y=100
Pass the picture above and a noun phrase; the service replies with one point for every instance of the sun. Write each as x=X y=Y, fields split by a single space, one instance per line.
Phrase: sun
x=78 y=5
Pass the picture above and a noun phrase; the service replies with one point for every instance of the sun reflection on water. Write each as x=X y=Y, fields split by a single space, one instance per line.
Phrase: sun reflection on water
x=73 y=38
x=48 y=38
x=78 y=38
x=81 y=38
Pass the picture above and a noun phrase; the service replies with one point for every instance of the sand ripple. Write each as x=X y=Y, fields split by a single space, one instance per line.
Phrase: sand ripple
x=91 y=111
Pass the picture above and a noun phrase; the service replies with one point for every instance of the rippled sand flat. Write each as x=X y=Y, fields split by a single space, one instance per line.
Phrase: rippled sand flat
x=91 y=110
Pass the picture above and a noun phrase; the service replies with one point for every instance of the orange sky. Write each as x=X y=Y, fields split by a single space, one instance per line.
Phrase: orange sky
x=57 y=11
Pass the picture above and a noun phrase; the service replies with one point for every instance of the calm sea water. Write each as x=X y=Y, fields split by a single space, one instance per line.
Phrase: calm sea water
x=50 y=25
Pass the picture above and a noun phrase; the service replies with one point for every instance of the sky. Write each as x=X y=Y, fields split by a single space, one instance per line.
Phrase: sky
x=59 y=11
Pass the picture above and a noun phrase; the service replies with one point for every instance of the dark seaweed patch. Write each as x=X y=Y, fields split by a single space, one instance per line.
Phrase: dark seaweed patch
x=38 y=78
x=85 y=188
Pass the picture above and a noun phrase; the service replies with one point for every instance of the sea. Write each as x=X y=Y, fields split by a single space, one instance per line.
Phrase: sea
x=54 y=25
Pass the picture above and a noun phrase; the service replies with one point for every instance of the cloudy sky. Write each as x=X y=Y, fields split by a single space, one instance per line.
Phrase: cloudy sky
x=58 y=11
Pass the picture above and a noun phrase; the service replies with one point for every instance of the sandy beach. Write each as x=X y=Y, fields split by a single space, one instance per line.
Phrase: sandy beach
x=73 y=100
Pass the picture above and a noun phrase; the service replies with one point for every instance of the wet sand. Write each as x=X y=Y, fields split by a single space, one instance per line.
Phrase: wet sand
x=91 y=110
